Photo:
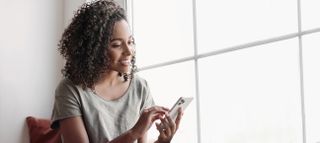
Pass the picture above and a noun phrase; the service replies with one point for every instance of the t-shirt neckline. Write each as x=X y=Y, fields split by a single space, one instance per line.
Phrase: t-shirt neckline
x=117 y=99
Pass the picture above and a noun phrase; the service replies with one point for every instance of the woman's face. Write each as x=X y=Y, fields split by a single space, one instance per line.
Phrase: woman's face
x=121 y=48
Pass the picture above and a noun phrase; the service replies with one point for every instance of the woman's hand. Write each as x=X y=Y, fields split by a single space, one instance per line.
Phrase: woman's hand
x=147 y=118
x=167 y=128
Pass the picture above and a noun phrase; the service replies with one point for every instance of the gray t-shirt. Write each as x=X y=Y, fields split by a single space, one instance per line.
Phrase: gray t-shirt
x=103 y=119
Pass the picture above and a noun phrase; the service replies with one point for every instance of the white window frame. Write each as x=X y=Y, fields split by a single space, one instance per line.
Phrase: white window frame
x=299 y=34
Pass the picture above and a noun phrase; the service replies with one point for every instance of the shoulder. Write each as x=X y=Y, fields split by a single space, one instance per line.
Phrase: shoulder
x=65 y=82
x=139 y=82
x=66 y=86
x=143 y=92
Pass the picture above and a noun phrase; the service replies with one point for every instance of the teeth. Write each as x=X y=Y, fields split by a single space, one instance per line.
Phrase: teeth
x=126 y=62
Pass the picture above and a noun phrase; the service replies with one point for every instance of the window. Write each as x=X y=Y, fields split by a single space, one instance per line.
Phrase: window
x=251 y=95
x=311 y=44
x=251 y=66
x=167 y=33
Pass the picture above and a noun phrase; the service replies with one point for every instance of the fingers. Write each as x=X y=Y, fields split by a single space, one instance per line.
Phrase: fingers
x=159 y=126
x=158 y=109
x=147 y=117
x=169 y=126
x=178 y=119
x=156 y=112
x=161 y=129
x=166 y=129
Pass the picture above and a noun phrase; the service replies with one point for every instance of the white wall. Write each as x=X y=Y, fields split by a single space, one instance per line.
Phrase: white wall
x=29 y=61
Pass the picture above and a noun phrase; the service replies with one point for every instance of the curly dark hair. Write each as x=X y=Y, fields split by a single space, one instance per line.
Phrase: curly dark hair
x=84 y=41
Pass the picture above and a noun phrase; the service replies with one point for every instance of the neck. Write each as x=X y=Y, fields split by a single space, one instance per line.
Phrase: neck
x=110 y=78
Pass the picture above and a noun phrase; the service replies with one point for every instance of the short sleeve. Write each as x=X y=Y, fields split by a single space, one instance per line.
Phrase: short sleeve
x=148 y=100
x=67 y=103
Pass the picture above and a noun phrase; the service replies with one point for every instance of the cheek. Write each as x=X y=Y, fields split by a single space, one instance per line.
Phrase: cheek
x=113 y=56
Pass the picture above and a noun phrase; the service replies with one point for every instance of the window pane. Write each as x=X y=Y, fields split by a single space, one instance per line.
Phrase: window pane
x=225 y=23
x=167 y=84
x=310 y=13
x=251 y=95
x=311 y=51
x=163 y=30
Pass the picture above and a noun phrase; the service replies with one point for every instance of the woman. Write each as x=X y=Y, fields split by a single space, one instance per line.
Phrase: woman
x=100 y=100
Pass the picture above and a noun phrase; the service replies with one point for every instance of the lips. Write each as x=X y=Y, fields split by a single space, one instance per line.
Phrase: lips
x=126 y=62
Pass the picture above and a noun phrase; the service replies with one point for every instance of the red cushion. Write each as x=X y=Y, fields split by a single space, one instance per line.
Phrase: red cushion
x=40 y=131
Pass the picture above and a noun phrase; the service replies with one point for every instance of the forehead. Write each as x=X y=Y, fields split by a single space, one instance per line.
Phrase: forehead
x=121 y=29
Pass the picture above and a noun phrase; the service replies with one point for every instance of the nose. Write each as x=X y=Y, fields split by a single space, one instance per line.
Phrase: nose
x=128 y=50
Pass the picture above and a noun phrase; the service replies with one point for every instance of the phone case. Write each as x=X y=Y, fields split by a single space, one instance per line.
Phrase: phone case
x=182 y=102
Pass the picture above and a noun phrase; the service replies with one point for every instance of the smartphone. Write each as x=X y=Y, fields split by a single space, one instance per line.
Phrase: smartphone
x=182 y=102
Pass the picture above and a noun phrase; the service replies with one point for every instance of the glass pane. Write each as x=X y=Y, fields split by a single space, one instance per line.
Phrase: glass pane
x=311 y=51
x=310 y=13
x=163 y=30
x=251 y=95
x=225 y=23
x=167 y=84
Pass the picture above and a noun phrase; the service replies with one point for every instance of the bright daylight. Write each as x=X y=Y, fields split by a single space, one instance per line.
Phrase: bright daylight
x=109 y=71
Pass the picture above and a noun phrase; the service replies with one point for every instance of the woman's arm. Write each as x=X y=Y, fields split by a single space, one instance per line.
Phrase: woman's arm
x=143 y=139
x=140 y=129
x=73 y=129
x=168 y=128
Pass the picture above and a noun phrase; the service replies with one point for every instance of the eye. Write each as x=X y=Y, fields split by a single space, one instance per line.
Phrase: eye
x=115 y=44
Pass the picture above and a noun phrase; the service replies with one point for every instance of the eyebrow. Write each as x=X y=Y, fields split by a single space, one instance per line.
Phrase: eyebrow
x=114 y=39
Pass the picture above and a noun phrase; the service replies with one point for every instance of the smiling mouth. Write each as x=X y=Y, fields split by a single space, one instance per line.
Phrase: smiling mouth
x=126 y=62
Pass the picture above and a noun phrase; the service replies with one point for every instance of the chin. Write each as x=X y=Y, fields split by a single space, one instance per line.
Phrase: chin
x=124 y=71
